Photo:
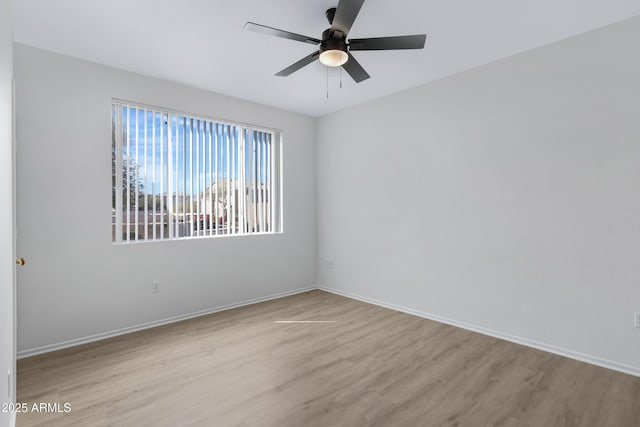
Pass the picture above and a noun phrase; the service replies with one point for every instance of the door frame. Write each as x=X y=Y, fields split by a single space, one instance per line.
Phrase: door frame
x=14 y=154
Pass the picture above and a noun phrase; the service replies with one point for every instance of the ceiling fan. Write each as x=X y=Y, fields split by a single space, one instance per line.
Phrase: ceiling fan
x=334 y=48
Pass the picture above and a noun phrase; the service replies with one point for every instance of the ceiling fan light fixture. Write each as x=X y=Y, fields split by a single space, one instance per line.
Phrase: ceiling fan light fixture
x=334 y=57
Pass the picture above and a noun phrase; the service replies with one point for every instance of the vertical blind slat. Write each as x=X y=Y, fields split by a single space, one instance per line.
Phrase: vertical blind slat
x=146 y=184
x=252 y=191
x=254 y=183
x=128 y=172
x=209 y=187
x=263 y=180
x=202 y=179
x=259 y=181
x=136 y=178
x=191 y=177
x=268 y=186
x=197 y=178
x=184 y=175
x=233 y=181
x=117 y=180
x=176 y=195
x=169 y=190
x=226 y=198
x=176 y=189
x=217 y=174
x=162 y=175
x=271 y=181
x=240 y=182
x=153 y=173
x=217 y=177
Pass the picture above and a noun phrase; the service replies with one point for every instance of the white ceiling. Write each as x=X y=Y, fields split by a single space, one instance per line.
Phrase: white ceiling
x=201 y=42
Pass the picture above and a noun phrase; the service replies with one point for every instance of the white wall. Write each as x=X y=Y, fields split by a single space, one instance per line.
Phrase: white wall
x=76 y=283
x=7 y=347
x=506 y=198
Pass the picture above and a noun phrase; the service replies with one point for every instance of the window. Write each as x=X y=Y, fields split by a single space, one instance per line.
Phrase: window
x=178 y=176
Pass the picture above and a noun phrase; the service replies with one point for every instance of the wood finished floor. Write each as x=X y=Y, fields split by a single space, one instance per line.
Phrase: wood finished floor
x=371 y=367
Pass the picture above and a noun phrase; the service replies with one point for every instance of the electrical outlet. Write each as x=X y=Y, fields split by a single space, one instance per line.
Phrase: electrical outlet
x=155 y=287
x=328 y=264
x=636 y=319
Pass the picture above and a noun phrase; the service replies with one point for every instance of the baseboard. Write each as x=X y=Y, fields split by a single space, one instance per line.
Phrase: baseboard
x=109 y=334
x=593 y=360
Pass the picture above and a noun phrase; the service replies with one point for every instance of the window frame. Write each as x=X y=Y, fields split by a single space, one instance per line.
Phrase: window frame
x=274 y=193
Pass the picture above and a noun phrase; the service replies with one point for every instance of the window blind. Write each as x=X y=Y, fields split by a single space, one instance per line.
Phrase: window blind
x=179 y=176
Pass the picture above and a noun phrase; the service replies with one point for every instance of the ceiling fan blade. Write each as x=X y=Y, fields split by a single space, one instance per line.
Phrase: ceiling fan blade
x=270 y=31
x=346 y=13
x=355 y=70
x=302 y=63
x=389 y=43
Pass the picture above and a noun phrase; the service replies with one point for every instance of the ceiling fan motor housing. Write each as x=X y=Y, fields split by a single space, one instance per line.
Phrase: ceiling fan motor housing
x=333 y=40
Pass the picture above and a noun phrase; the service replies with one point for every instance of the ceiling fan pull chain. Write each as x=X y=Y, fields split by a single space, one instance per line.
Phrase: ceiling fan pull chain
x=340 y=77
x=327 y=82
